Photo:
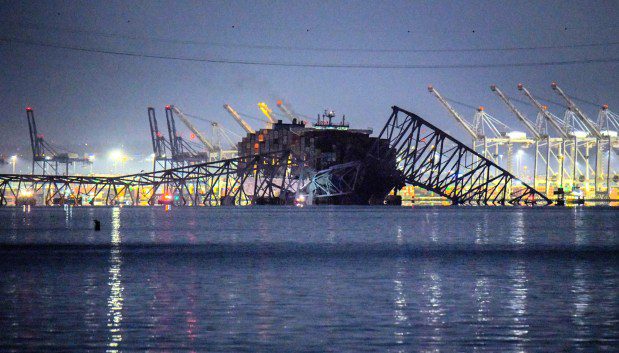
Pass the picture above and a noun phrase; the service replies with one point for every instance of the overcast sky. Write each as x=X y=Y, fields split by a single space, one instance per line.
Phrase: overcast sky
x=101 y=99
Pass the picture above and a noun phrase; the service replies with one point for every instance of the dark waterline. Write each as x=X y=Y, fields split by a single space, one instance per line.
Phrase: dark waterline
x=312 y=279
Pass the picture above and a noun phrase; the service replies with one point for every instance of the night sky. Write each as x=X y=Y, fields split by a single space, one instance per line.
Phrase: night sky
x=100 y=99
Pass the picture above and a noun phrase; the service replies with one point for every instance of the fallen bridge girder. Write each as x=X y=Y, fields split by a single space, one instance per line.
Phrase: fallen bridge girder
x=194 y=185
x=432 y=159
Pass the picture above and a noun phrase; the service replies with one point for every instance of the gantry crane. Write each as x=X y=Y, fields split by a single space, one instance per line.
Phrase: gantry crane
x=482 y=121
x=569 y=139
x=608 y=123
x=238 y=119
x=583 y=118
x=289 y=114
x=593 y=130
x=47 y=156
x=182 y=152
x=161 y=147
x=537 y=136
x=540 y=136
x=207 y=144
x=264 y=108
x=465 y=124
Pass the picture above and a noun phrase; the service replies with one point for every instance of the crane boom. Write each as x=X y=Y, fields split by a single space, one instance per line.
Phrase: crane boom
x=583 y=118
x=238 y=119
x=266 y=111
x=544 y=111
x=287 y=111
x=516 y=112
x=209 y=146
x=453 y=112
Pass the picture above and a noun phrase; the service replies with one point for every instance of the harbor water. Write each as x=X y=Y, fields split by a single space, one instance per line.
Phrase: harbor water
x=394 y=279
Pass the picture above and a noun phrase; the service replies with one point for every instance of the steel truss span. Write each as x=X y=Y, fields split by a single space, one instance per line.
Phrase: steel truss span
x=431 y=159
x=256 y=179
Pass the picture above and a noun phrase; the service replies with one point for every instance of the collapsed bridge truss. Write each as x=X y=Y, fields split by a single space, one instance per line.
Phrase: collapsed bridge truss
x=431 y=159
x=256 y=179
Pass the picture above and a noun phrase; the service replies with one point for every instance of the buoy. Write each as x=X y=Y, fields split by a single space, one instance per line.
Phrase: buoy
x=97 y=225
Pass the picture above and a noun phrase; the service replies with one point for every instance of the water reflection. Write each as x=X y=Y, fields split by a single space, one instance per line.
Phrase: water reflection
x=518 y=304
x=68 y=212
x=580 y=235
x=401 y=320
x=517 y=228
x=481 y=231
x=147 y=299
x=433 y=225
x=432 y=308
x=115 y=300
x=265 y=309
x=582 y=301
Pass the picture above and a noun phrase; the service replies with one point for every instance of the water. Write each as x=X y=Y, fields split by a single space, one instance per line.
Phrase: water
x=312 y=279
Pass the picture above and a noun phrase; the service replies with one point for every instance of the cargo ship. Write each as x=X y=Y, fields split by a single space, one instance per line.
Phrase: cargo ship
x=327 y=144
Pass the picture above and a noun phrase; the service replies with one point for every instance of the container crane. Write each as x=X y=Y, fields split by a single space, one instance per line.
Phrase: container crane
x=477 y=130
x=536 y=134
x=583 y=118
x=207 y=144
x=562 y=129
x=544 y=111
x=608 y=123
x=467 y=126
x=45 y=154
x=182 y=153
x=161 y=147
x=264 y=108
x=572 y=138
x=287 y=112
x=238 y=119
x=593 y=129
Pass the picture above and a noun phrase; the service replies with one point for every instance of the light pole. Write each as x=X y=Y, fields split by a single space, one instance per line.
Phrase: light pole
x=13 y=162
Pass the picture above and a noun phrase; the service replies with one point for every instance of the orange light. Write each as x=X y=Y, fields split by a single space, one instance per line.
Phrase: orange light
x=192 y=136
x=261 y=138
x=481 y=109
x=256 y=146
x=605 y=106
x=167 y=196
x=279 y=102
x=545 y=107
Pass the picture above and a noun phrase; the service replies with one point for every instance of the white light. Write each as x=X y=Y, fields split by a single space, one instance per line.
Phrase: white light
x=609 y=133
x=91 y=158
x=520 y=153
x=515 y=135
x=13 y=159
x=116 y=155
x=579 y=134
